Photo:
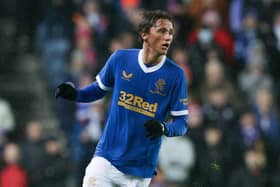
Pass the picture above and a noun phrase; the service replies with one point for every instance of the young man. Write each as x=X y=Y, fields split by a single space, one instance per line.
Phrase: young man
x=147 y=86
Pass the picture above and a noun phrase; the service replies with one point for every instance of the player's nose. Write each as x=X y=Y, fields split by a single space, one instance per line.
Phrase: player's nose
x=168 y=37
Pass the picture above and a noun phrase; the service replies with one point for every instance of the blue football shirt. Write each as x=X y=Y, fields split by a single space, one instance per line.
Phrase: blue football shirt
x=139 y=93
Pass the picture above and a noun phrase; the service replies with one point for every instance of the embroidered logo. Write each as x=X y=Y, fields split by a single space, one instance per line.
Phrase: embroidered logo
x=159 y=88
x=126 y=76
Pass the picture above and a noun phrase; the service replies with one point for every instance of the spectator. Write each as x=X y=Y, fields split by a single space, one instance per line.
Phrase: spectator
x=84 y=42
x=236 y=8
x=253 y=173
x=248 y=130
x=12 y=175
x=268 y=122
x=254 y=78
x=211 y=19
x=56 y=165
x=216 y=76
x=94 y=16
x=198 y=54
x=53 y=41
x=247 y=38
x=257 y=53
x=32 y=149
x=77 y=66
x=127 y=20
x=246 y=135
x=212 y=160
x=218 y=110
x=263 y=10
x=198 y=7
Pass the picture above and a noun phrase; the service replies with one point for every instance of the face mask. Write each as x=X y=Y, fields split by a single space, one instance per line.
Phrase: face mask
x=205 y=36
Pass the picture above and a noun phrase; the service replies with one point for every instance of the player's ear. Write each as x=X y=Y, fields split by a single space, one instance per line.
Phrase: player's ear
x=144 y=36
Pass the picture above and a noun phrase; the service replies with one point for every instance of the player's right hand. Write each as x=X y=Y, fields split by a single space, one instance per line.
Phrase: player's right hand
x=66 y=91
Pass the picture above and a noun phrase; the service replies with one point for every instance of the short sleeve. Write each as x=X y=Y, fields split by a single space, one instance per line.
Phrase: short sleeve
x=105 y=77
x=179 y=101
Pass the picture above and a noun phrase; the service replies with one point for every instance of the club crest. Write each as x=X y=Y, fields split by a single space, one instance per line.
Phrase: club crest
x=159 y=88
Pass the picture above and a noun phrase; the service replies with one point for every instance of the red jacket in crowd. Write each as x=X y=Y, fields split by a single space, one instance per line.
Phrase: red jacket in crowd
x=13 y=176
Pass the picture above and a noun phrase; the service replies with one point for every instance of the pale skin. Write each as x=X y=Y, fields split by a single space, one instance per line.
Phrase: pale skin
x=157 y=41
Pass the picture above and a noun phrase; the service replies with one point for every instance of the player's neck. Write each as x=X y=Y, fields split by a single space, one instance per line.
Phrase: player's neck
x=150 y=57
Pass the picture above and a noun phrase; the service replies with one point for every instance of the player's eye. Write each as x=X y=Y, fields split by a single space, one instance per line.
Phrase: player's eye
x=162 y=31
x=171 y=31
x=165 y=31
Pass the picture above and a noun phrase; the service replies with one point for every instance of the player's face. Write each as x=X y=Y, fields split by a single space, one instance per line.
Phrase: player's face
x=160 y=36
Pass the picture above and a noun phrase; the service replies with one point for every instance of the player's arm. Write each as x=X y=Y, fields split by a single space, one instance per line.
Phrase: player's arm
x=179 y=113
x=95 y=91
x=90 y=93
x=178 y=126
x=179 y=108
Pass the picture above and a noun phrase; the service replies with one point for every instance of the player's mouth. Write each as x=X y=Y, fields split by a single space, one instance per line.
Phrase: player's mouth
x=165 y=45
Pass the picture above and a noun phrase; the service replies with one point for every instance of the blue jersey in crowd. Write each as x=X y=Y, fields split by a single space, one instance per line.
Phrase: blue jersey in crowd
x=139 y=93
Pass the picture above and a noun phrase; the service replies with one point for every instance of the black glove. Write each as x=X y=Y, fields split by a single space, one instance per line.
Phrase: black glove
x=154 y=129
x=67 y=91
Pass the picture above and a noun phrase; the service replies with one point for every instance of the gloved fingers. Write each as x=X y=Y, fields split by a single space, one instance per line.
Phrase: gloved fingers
x=59 y=90
x=66 y=90
x=66 y=85
x=70 y=84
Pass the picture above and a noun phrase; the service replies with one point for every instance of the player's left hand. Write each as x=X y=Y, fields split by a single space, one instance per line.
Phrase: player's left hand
x=154 y=129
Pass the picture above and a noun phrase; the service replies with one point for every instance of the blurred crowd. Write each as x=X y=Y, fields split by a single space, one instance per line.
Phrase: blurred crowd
x=230 y=52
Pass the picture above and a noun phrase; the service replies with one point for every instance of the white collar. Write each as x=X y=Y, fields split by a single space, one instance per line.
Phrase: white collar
x=149 y=69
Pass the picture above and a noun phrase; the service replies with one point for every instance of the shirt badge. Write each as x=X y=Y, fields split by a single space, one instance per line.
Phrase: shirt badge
x=159 y=88
x=126 y=76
